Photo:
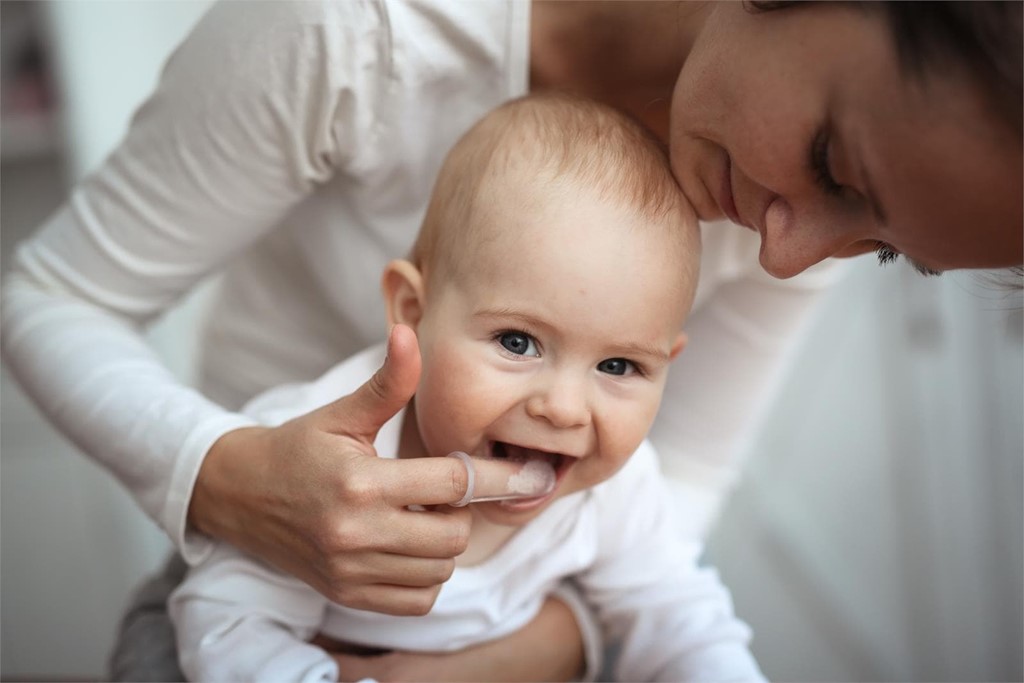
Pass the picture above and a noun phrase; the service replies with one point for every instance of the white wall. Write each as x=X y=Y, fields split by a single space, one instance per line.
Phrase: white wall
x=877 y=535
x=73 y=543
x=108 y=55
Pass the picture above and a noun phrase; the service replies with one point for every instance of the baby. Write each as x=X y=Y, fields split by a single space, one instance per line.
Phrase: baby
x=547 y=289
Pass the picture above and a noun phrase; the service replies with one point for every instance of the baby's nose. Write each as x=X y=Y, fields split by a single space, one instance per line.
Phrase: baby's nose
x=562 y=402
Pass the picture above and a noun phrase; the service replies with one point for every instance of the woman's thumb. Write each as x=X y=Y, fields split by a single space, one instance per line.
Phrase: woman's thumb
x=389 y=390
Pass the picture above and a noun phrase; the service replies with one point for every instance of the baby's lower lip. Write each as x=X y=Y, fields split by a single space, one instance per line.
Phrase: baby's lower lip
x=523 y=504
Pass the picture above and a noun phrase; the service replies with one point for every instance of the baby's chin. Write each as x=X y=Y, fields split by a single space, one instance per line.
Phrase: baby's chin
x=513 y=513
x=521 y=511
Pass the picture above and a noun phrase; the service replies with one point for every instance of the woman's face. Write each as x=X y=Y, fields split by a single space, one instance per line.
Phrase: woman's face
x=799 y=124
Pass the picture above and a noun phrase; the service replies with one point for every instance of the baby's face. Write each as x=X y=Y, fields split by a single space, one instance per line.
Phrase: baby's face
x=554 y=343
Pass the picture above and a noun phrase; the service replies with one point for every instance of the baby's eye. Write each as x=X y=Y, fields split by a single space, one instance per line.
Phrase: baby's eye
x=519 y=343
x=616 y=366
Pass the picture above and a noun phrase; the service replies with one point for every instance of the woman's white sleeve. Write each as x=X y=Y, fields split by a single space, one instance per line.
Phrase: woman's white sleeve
x=739 y=343
x=669 y=618
x=253 y=111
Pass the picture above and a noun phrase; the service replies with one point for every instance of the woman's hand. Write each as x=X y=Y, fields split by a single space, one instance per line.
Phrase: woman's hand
x=312 y=498
x=549 y=648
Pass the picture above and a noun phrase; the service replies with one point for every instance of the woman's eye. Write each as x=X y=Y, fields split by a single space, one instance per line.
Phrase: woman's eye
x=519 y=343
x=888 y=254
x=616 y=366
x=885 y=253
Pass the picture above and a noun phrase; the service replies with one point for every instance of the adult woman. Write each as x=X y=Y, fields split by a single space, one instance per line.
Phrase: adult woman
x=307 y=137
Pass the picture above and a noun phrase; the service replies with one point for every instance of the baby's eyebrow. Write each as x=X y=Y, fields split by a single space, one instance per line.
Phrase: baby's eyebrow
x=514 y=314
x=641 y=349
x=515 y=317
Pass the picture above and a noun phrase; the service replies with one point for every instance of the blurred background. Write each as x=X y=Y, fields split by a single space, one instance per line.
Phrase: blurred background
x=878 y=532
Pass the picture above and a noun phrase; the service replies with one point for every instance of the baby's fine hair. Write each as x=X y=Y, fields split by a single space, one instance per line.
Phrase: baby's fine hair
x=558 y=140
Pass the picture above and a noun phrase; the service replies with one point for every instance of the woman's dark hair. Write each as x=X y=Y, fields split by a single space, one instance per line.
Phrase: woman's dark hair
x=985 y=37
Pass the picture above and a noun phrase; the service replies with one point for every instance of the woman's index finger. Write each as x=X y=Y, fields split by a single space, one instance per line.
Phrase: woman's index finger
x=425 y=481
x=457 y=480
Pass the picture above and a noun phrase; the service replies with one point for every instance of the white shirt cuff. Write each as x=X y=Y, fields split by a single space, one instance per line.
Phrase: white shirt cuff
x=192 y=545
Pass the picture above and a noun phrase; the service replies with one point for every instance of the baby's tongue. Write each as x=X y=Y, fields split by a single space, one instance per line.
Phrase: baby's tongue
x=520 y=454
x=502 y=478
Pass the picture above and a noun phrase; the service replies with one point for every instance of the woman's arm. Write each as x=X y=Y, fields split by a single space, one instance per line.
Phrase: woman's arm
x=240 y=129
x=670 y=618
x=549 y=648
x=740 y=340
x=261 y=104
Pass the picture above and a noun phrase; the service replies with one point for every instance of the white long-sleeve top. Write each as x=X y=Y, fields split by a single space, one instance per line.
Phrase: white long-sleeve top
x=293 y=146
x=239 y=620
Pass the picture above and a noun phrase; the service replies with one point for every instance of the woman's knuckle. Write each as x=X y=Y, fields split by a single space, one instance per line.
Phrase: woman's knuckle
x=420 y=609
x=458 y=537
x=345 y=536
x=356 y=597
x=340 y=570
x=339 y=593
x=445 y=569
x=378 y=386
x=459 y=481
x=423 y=601
x=358 y=489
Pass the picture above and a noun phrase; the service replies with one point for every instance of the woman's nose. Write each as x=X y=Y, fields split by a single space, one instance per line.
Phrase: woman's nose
x=561 y=401
x=794 y=241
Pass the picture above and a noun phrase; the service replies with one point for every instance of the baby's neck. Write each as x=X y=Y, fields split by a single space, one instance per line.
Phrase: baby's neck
x=485 y=539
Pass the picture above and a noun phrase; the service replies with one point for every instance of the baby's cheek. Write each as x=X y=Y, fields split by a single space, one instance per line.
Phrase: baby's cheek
x=625 y=434
x=444 y=396
x=452 y=393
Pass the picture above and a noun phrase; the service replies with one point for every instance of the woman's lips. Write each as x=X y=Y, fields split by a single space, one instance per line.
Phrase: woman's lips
x=725 y=199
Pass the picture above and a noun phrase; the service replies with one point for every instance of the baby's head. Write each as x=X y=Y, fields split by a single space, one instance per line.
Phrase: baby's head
x=550 y=148
x=548 y=289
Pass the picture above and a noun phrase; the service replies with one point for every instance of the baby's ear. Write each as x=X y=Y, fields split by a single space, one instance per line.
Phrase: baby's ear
x=677 y=346
x=402 y=286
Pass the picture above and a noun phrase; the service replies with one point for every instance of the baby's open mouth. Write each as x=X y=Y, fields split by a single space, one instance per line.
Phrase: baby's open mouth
x=507 y=451
x=541 y=471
